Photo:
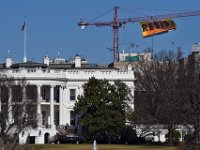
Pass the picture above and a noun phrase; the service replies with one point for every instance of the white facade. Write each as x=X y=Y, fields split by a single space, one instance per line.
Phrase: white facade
x=196 y=47
x=58 y=85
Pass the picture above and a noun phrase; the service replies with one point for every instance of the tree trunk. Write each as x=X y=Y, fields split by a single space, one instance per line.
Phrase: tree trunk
x=170 y=135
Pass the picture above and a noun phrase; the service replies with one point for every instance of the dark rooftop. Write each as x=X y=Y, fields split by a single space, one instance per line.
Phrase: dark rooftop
x=29 y=64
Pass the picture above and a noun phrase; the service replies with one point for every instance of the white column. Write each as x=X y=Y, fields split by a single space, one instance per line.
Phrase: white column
x=24 y=93
x=0 y=99
x=10 y=105
x=39 y=114
x=60 y=105
x=52 y=107
x=181 y=137
x=24 y=98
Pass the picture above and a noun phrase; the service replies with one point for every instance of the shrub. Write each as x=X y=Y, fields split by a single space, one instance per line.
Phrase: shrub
x=188 y=137
x=175 y=137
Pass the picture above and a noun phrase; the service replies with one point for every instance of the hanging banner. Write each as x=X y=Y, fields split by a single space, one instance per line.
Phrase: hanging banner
x=157 y=27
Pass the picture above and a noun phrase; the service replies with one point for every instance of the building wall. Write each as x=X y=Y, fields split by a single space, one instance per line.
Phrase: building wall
x=64 y=79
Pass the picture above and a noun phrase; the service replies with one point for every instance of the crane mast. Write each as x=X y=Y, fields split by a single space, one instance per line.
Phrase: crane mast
x=117 y=23
x=115 y=27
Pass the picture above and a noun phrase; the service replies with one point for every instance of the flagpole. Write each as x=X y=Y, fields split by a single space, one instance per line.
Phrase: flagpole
x=25 y=40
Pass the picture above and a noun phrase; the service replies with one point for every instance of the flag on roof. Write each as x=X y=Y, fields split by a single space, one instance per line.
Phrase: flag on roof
x=23 y=26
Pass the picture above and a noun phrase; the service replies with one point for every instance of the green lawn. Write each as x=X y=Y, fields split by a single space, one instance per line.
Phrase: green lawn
x=99 y=147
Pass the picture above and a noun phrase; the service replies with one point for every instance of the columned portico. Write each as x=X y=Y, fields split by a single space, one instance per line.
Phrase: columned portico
x=52 y=107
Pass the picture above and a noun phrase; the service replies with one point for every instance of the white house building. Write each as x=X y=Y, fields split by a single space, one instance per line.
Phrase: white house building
x=58 y=84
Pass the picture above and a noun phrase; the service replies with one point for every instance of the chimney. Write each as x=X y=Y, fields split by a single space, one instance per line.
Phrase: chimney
x=8 y=62
x=130 y=67
x=46 y=60
x=77 y=61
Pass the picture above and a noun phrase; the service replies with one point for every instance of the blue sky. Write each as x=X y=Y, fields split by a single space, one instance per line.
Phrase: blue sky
x=52 y=27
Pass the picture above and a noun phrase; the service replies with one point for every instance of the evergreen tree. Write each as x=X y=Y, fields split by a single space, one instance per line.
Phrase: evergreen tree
x=101 y=109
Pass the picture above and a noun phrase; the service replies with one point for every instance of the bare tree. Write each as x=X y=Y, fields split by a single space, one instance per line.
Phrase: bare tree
x=157 y=100
x=17 y=110
x=189 y=76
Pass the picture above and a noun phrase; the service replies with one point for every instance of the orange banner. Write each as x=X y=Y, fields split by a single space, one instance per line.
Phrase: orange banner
x=157 y=27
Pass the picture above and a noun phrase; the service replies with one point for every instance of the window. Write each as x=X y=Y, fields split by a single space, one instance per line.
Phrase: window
x=31 y=92
x=56 y=118
x=45 y=91
x=44 y=118
x=72 y=94
x=56 y=94
x=72 y=118
x=17 y=93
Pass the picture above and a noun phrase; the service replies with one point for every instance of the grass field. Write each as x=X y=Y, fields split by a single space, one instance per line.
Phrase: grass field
x=99 y=147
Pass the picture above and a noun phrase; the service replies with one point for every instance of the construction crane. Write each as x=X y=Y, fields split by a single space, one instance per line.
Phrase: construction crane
x=117 y=23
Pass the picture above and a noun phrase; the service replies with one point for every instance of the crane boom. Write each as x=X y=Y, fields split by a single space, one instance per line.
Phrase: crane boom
x=117 y=23
x=158 y=17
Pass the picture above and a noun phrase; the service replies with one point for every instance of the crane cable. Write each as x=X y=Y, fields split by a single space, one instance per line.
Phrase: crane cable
x=105 y=13
x=132 y=10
